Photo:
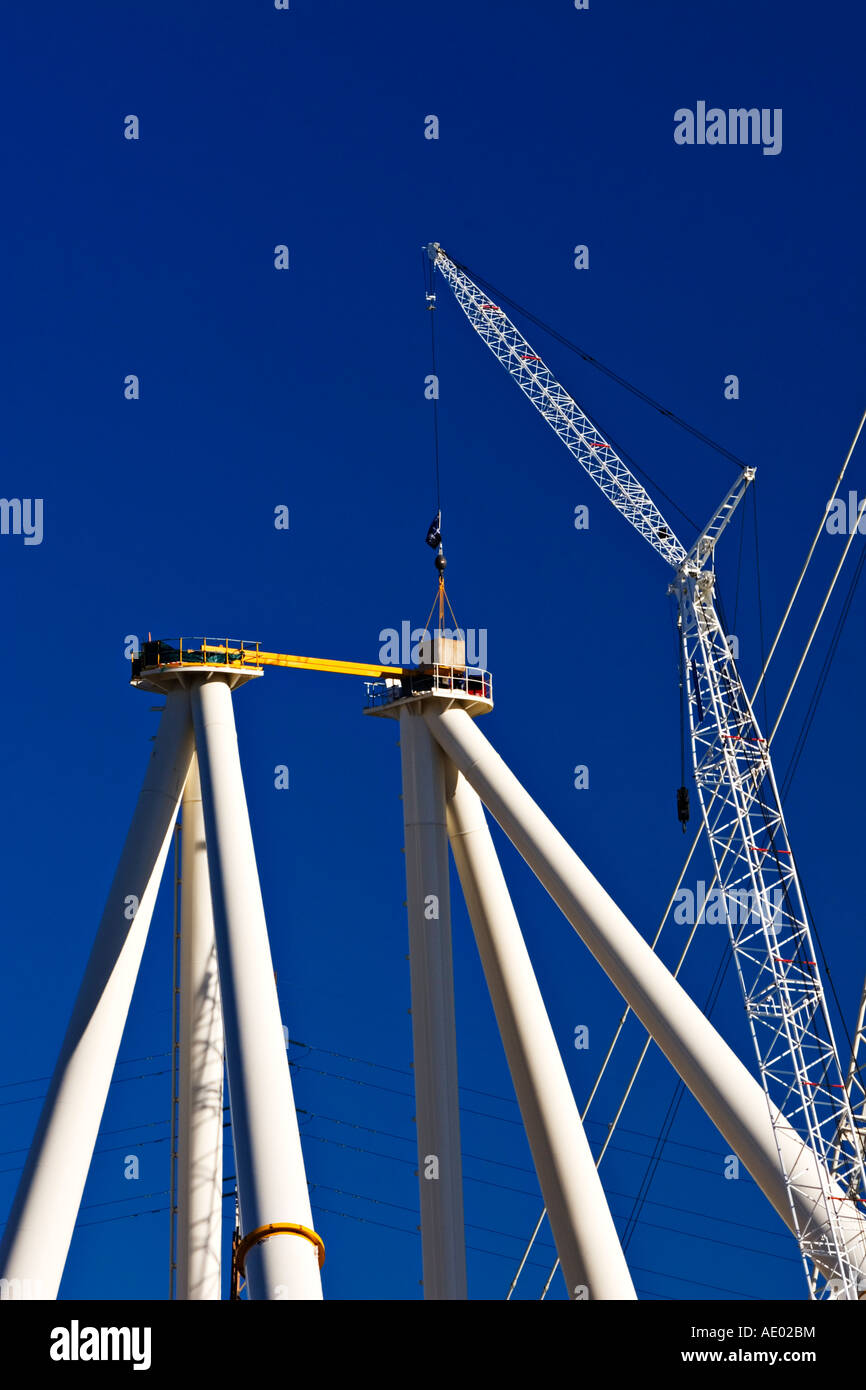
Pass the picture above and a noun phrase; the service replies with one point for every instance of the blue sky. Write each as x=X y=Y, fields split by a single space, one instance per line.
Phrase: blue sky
x=304 y=388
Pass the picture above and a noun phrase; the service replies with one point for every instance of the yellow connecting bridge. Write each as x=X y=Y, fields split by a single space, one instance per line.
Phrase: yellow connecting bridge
x=160 y=660
x=253 y=656
x=186 y=651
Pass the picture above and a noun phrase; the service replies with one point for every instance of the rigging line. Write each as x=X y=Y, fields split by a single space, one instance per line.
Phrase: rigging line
x=124 y=1061
x=491 y=1095
x=407 y=1095
x=498 y=1254
x=679 y=966
x=855 y=1067
x=450 y=609
x=432 y=606
x=648 y=1041
x=594 y=362
x=808 y=719
x=116 y=1201
x=641 y=1220
x=855 y=530
x=822 y=680
x=526 y=1253
x=435 y=385
x=127 y=1216
x=400 y=1071
x=739 y=569
x=681 y=676
x=760 y=600
x=655 y=1159
x=154 y=1211
x=499 y=1186
x=413 y=1211
x=714 y=1240
x=482 y=1114
x=115 y=1081
x=368 y=1221
x=621 y=1024
x=115 y=1148
x=817 y=537
x=654 y=943
x=103 y=1134
x=709 y=1006
x=482 y=1158
x=749 y=1297
x=360 y=1196
x=510 y=1235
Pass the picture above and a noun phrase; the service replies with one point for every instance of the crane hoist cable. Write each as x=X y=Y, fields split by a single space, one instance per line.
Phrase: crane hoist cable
x=760 y=603
x=683 y=810
x=434 y=530
x=430 y=298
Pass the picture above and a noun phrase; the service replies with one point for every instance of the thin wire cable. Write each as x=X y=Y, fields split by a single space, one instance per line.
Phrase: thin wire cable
x=817 y=537
x=122 y=1062
x=760 y=600
x=622 y=1022
x=855 y=530
x=430 y=297
x=525 y=1257
x=812 y=710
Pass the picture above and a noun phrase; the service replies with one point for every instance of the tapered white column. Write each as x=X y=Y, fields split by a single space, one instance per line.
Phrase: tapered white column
x=434 y=1038
x=728 y=1093
x=586 y=1239
x=200 y=1110
x=36 y=1241
x=272 y=1186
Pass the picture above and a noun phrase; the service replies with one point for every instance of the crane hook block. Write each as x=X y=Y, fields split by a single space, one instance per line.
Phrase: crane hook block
x=683 y=807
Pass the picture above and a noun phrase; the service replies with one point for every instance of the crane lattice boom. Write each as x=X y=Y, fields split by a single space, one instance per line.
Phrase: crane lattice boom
x=766 y=919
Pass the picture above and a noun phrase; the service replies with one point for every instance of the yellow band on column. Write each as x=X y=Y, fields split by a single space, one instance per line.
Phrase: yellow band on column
x=277 y=1228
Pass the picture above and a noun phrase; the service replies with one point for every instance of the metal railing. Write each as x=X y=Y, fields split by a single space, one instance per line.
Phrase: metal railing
x=458 y=680
x=199 y=651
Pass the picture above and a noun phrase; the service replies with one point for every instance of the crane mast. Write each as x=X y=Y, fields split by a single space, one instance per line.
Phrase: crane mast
x=757 y=874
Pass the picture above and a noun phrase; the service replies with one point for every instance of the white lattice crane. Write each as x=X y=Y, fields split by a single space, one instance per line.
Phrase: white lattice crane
x=805 y=1086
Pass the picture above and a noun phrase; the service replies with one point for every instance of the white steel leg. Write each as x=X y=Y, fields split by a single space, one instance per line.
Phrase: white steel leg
x=586 y=1240
x=272 y=1186
x=437 y=1111
x=36 y=1241
x=728 y=1093
x=200 y=1131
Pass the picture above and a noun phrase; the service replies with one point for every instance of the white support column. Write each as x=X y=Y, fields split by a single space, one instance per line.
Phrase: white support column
x=36 y=1241
x=272 y=1184
x=200 y=1132
x=434 y=1038
x=720 y=1083
x=586 y=1240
